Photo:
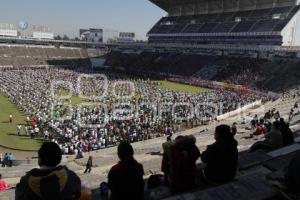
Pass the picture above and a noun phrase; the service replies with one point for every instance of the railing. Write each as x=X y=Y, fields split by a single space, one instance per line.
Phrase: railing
x=144 y=45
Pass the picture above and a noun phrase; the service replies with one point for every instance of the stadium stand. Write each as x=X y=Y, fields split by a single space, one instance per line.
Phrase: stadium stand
x=238 y=67
x=260 y=24
x=23 y=55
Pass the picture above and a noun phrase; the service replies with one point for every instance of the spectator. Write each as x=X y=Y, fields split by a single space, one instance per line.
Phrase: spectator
x=5 y=160
x=291 y=116
x=125 y=179
x=292 y=175
x=234 y=129
x=287 y=134
x=10 y=159
x=50 y=181
x=254 y=121
x=89 y=165
x=277 y=116
x=296 y=105
x=165 y=165
x=184 y=155
x=260 y=128
x=221 y=157
x=3 y=184
x=273 y=139
x=268 y=115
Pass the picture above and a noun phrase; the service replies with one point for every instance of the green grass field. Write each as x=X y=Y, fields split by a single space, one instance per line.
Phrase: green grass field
x=181 y=87
x=8 y=135
x=74 y=99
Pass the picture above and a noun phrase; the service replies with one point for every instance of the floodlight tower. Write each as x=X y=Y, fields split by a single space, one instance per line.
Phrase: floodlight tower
x=23 y=26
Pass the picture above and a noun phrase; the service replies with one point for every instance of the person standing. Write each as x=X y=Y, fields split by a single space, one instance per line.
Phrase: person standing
x=19 y=129
x=10 y=118
x=89 y=165
x=234 y=129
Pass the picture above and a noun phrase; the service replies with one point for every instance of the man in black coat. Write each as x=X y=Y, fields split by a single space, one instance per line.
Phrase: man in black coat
x=286 y=132
x=125 y=179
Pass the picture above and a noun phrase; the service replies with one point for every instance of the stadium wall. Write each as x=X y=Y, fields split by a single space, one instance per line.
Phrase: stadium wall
x=291 y=32
x=43 y=35
x=8 y=32
x=239 y=110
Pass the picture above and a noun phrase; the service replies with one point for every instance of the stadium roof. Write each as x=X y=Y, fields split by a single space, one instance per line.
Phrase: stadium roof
x=167 y=4
x=164 y=4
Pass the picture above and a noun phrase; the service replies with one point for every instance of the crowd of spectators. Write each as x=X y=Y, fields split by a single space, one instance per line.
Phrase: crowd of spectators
x=274 y=128
x=240 y=71
x=125 y=179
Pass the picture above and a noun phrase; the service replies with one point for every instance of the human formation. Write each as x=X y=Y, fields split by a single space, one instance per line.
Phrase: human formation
x=113 y=108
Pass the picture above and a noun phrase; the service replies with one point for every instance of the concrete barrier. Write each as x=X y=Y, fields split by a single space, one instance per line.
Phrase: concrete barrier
x=239 y=110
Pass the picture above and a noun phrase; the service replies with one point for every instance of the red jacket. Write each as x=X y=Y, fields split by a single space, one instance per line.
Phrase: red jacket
x=3 y=185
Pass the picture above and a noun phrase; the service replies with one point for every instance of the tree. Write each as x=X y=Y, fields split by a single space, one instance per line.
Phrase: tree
x=66 y=37
x=58 y=37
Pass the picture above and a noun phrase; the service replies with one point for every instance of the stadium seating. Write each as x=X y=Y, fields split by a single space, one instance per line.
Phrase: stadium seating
x=266 y=21
x=224 y=27
x=40 y=55
x=244 y=26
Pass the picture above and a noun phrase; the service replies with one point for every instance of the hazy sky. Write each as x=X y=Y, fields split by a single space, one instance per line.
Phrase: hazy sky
x=68 y=16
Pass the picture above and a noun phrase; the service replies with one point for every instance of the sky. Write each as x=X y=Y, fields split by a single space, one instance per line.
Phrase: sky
x=68 y=16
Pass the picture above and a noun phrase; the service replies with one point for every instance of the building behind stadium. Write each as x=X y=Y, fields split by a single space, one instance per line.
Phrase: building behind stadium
x=106 y=35
x=33 y=32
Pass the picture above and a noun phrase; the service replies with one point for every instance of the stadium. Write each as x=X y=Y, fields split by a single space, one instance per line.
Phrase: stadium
x=209 y=105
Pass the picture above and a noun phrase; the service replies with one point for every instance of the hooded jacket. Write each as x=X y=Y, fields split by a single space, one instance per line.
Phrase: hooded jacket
x=221 y=159
x=183 y=163
x=48 y=184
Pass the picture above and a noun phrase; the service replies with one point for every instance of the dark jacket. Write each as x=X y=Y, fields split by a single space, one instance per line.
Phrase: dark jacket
x=287 y=135
x=89 y=163
x=292 y=176
x=125 y=180
x=221 y=161
x=47 y=184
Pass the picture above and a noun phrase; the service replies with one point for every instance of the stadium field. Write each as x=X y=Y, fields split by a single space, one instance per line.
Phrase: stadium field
x=8 y=133
x=74 y=99
x=181 y=87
